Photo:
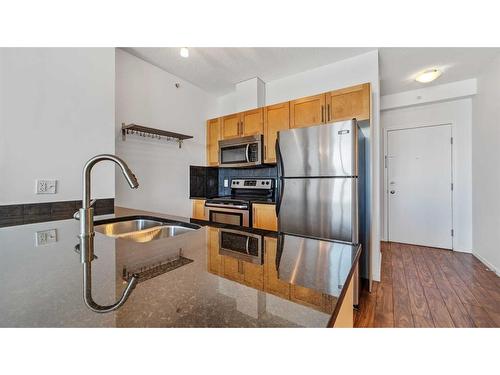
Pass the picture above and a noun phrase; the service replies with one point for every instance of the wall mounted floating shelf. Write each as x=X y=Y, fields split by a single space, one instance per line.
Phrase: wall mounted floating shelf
x=144 y=131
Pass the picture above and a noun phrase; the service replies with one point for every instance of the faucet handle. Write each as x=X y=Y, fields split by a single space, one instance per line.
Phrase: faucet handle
x=76 y=215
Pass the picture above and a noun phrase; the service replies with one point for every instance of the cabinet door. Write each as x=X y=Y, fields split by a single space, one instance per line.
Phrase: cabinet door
x=307 y=111
x=348 y=103
x=233 y=268
x=213 y=136
x=230 y=126
x=214 y=259
x=276 y=118
x=271 y=282
x=252 y=122
x=264 y=216
x=199 y=209
x=253 y=275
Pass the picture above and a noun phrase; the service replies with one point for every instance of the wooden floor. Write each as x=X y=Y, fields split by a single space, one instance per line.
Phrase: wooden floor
x=428 y=287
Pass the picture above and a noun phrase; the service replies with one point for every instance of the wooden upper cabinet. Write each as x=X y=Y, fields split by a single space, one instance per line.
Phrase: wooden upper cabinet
x=230 y=126
x=213 y=136
x=351 y=102
x=252 y=122
x=307 y=111
x=276 y=118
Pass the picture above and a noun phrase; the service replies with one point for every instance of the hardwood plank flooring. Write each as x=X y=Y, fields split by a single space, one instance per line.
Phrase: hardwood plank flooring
x=428 y=287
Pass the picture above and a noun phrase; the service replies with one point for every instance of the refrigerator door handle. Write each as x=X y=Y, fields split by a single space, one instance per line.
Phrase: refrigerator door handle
x=279 y=182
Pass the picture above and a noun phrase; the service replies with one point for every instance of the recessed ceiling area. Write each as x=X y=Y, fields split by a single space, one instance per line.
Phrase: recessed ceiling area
x=217 y=70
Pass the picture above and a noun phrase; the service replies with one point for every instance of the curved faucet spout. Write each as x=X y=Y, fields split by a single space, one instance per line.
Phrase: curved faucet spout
x=129 y=176
x=87 y=292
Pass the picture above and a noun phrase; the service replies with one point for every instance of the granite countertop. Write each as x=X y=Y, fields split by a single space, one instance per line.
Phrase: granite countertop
x=41 y=286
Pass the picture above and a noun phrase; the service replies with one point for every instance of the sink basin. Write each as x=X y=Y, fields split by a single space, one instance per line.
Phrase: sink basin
x=142 y=229
x=128 y=226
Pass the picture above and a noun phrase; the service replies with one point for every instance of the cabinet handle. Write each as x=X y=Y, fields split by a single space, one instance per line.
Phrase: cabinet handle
x=328 y=109
x=322 y=113
x=265 y=152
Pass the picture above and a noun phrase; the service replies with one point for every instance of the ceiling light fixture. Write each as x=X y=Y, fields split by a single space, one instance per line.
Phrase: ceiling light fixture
x=184 y=52
x=428 y=75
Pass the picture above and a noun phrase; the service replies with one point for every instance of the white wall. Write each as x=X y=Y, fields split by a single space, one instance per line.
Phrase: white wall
x=458 y=113
x=147 y=95
x=56 y=111
x=486 y=167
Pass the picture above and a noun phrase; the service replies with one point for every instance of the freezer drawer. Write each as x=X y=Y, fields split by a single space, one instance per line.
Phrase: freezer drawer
x=324 y=150
x=324 y=208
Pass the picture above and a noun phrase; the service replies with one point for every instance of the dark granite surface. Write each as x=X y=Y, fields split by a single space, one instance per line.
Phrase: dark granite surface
x=41 y=286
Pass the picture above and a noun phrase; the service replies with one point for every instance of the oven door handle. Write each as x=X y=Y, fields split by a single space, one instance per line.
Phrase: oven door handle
x=225 y=206
x=247 y=244
x=247 y=152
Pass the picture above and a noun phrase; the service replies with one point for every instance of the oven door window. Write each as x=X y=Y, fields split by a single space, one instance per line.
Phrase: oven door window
x=240 y=243
x=234 y=154
x=226 y=217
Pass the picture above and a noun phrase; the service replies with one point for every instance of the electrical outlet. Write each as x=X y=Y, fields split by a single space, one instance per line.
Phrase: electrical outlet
x=45 y=237
x=46 y=186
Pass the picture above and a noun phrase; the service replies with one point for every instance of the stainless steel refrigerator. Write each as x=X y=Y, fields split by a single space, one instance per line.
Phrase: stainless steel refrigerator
x=320 y=189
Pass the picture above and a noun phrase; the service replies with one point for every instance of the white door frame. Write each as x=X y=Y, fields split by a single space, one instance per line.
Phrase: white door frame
x=386 y=175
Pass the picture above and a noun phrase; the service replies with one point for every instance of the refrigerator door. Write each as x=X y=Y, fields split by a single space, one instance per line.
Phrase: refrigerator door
x=323 y=208
x=320 y=265
x=323 y=150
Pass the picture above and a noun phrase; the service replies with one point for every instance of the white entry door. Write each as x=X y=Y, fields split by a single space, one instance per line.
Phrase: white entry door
x=419 y=190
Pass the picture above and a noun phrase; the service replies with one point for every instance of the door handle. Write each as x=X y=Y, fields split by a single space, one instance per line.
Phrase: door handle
x=393 y=191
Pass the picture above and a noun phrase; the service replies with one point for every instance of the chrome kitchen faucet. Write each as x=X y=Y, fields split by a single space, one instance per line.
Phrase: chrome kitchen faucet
x=87 y=234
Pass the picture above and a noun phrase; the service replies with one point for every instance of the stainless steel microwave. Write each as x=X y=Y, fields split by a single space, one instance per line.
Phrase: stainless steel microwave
x=241 y=152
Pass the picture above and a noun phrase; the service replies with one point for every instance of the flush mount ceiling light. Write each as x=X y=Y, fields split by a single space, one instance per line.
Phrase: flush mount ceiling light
x=184 y=52
x=428 y=75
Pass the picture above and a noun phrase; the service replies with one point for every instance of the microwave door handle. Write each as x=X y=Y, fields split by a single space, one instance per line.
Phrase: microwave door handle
x=247 y=152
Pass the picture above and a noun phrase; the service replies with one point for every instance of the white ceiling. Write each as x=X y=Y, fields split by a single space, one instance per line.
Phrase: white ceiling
x=399 y=66
x=217 y=70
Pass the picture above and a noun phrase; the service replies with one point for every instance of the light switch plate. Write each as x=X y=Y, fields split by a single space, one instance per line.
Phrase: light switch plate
x=46 y=186
x=46 y=237
x=226 y=182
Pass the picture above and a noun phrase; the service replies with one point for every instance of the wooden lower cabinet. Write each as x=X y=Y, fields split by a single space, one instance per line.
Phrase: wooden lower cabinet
x=199 y=209
x=271 y=282
x=264 y=216
x=253 y=275
x=214 y=261
x=232 y=268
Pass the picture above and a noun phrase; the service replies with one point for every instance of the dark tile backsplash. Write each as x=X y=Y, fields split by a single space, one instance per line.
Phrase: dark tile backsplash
x=208 y=182
x=230 y=173
x=203 y=182
x=16 y=214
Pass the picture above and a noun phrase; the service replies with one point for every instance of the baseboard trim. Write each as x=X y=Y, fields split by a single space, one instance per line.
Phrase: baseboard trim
x=487 y=264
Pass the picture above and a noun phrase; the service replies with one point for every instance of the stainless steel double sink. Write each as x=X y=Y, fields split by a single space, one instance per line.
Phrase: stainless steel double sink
x=142 y=228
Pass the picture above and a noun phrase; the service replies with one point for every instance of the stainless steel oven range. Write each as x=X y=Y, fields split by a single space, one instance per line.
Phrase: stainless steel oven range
x=235 y=209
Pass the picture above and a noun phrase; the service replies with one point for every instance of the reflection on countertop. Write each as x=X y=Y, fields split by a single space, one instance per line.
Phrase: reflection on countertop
x=234 y=285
